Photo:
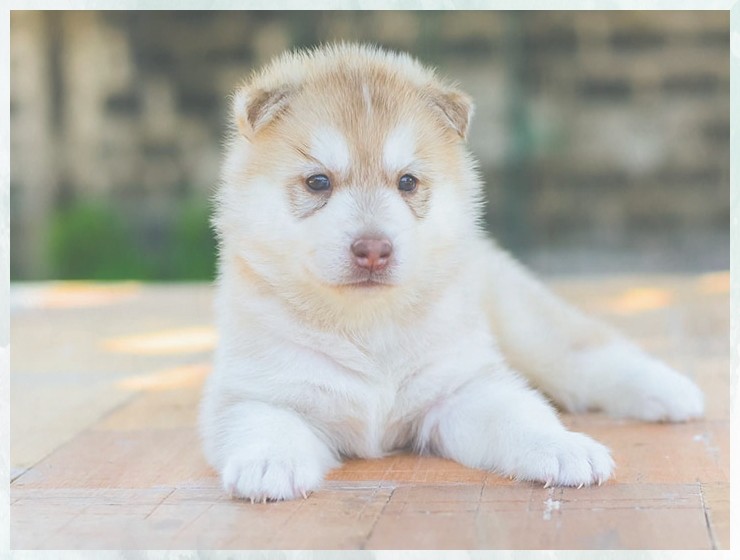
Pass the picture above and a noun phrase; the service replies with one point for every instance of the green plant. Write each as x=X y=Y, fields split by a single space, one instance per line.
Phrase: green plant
x=89 y=240
x=193 y=252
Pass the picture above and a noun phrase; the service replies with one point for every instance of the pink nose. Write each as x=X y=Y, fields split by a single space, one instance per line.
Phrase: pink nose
x=372 y=254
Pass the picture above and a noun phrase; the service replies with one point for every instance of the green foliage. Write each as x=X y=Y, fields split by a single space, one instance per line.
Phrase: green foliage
x=89 y=240
x=193 y=255
x=95 y=240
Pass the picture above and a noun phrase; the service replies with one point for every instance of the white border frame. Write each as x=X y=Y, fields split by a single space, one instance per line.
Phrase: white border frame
x=363 y=5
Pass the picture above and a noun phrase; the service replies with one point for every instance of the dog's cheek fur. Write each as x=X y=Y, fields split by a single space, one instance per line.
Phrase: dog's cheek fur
x=253 y=223
x=303 y=203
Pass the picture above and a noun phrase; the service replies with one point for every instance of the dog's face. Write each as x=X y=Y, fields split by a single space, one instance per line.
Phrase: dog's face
x=348 y=175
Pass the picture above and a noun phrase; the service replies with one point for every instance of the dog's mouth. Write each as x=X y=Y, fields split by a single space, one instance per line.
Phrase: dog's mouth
x=369 y=283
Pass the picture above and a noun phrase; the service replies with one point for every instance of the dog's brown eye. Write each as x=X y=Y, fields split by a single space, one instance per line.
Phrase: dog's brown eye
x=407 y=183
x=318 y=183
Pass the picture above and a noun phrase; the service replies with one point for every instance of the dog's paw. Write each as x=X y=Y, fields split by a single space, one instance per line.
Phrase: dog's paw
x=657 y=394
x=281 y=470
x=563 y=459
x=262 y=478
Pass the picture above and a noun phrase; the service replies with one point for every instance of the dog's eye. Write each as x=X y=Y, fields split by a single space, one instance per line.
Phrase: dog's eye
x=407 y=183
x=318 y=183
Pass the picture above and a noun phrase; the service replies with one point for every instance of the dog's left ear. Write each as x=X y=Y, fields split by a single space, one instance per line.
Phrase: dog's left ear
x=455 y=107
x=253 y=109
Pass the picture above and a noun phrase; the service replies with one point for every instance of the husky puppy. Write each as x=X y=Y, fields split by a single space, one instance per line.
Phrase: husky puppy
x=361 y=309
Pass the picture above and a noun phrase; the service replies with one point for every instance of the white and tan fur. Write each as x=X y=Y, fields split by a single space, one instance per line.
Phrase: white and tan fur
x=440 y=352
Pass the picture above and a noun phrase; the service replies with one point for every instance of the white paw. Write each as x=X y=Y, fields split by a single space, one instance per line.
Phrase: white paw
x=562 y=459
x=262 y=478
x=657 y=394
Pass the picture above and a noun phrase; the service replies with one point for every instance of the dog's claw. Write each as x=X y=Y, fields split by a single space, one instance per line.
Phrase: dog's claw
x=548 y=484
x=580 y=485
x=303 y=493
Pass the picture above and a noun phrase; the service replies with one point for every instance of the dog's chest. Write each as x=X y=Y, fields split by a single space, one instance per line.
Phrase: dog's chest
x=374 y=385
x=370 y=407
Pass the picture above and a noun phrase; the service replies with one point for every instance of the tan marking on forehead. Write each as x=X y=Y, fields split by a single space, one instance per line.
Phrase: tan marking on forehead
x=368 y=100
x=363 y=103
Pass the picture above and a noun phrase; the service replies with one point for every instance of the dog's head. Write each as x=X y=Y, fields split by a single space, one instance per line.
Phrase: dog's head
x=347 y=177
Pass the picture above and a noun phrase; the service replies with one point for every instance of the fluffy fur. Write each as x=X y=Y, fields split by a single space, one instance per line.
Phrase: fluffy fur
x=438 y=352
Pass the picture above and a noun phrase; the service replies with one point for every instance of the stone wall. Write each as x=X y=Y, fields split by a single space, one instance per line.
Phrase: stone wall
x=591 y=127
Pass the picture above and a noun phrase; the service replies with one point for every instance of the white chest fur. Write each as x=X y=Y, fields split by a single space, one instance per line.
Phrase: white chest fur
x=363 y=389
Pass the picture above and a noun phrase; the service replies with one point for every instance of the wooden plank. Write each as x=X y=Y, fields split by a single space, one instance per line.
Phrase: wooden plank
x=716 y=497
x=662 y=453
x=78 y=517
x=44 y=417
x=174 y=407
x=137 y=459
x=665 y=529
x=407 y=468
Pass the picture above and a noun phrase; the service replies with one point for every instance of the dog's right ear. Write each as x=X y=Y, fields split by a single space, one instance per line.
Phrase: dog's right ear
x=253 y=109
x=455 y=106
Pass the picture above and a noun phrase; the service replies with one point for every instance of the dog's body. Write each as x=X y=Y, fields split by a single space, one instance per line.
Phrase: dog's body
x=361 y=309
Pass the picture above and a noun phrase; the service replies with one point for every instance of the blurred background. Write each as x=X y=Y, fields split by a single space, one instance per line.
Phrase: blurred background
x=603 y=137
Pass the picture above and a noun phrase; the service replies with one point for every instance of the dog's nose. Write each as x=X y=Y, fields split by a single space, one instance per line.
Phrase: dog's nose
x=372 y=254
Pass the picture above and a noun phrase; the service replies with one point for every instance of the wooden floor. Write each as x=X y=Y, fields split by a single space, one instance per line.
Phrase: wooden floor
x=104 y=390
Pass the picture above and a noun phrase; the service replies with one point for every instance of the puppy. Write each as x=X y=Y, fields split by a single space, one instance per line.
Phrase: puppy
x=361 y=310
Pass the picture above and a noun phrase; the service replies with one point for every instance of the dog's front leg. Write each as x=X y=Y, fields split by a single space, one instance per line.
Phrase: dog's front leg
x=264 y=452
x=497 y=423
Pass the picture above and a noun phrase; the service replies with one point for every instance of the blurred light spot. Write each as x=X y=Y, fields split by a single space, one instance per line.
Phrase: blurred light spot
x=638 y=300
x=180 y=377
x=176 y=341
x=715 y=283
x=64 y=295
